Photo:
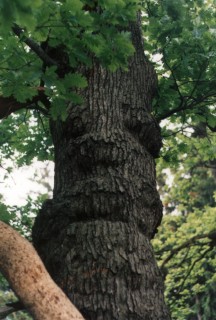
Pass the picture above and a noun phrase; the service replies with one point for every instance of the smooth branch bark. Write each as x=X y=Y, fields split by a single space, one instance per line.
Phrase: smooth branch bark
x=24 y=270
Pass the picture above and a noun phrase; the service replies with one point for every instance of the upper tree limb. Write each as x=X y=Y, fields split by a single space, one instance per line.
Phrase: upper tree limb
x=9 y=105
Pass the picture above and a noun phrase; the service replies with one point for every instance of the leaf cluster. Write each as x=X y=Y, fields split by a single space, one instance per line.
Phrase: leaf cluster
x=43 y=44
x=186 y=254
x=22 y=218
x=181 y=39
x=24 y=136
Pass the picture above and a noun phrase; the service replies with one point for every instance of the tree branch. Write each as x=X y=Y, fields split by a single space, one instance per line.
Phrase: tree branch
x=173 y=76
x=10 y=308
x=198 y=80
x=191 y=268
x=181 y=107
x=9 y=105
x=185 y=106
x=184 y=100
x=34 y=47
x=24 y=270
x=211 y=235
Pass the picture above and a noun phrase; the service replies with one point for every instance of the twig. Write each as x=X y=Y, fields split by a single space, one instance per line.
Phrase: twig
x=185 y=245
x=34 y=46
x=174 y=77
x=10 y=308
x=192 y=266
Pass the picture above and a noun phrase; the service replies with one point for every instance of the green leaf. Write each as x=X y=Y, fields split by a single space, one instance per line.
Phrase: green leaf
x=5 y=215
x=74 y=80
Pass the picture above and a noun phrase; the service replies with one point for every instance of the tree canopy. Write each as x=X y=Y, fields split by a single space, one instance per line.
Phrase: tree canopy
x=179 y=37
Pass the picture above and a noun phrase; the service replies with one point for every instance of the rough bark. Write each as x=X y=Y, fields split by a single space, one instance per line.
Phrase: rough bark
x=94 y=235
x=28 y=277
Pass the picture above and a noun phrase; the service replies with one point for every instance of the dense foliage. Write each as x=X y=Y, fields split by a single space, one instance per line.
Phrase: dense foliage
x=180 y=39
x=185 y=249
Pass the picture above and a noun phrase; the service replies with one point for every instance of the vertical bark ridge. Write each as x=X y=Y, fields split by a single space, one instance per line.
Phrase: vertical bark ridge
x=94 y=235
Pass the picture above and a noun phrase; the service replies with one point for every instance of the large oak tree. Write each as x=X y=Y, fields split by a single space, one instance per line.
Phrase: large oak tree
x=82 y=64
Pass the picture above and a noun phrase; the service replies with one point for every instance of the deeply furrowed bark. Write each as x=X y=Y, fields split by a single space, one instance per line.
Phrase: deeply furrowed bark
x=94 y=235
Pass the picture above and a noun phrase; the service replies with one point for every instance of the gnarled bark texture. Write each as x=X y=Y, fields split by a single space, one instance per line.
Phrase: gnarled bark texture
x=94 y=235
x=28 y=277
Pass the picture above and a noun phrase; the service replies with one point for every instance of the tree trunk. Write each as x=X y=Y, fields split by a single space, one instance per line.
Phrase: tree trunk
x=94 y=235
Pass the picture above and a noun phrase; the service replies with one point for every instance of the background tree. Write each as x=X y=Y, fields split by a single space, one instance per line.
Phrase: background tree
x=64 y=59
x=185 y=244
x=185 y=248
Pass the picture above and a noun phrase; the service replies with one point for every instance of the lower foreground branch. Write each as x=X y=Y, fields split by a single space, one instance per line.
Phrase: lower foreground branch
x=24 y=270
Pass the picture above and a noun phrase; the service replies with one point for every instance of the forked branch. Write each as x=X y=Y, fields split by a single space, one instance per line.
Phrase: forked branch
x=211 y=236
